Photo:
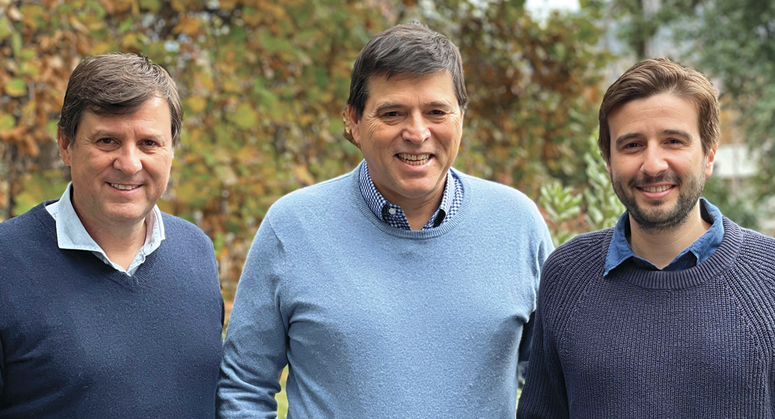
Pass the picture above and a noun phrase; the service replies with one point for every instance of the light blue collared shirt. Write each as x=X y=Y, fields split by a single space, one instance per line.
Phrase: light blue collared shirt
x=72 y=235
x=619 y=250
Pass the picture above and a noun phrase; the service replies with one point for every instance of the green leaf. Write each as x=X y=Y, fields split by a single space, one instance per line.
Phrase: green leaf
x=16 y=87
x=7 y=121
x=5 y=27
x=244 y=116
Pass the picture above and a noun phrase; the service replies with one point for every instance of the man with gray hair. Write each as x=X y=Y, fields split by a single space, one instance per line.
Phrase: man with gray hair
x=109 y=307
x=402 y=289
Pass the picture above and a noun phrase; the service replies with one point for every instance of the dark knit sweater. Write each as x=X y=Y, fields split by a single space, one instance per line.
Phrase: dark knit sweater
x=80 y=339
x=696 y=343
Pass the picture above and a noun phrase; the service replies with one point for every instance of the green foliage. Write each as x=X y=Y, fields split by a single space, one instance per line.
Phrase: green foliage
x=561 y=205
x=602 y=204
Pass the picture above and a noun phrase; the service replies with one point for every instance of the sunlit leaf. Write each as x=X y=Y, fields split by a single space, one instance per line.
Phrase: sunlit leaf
x=16 y=87
x=7 y=121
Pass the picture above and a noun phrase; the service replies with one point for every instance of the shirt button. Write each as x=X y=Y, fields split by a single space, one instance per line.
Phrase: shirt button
x=392 y=211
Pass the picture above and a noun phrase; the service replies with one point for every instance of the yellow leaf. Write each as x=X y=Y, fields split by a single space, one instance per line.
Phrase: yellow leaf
x=188 y=25
x=101 y=47
x=16 y=88
x=197 y=104
x=178 y=6
x=228 y=4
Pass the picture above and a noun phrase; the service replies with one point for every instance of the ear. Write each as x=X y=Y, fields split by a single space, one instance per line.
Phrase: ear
x=710 y=158
x=64 y=146
x=355 y=130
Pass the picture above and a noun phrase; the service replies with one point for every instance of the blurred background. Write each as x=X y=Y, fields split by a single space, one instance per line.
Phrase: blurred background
x=264 y=84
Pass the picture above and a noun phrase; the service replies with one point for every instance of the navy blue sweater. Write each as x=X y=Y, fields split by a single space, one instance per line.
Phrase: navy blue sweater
x=696 y=343
x=80 y=339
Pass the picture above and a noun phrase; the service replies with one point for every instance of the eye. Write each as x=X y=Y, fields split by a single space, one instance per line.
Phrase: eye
x=390 y=114
x=149 y=143
x=105 y=140
x=438 y=112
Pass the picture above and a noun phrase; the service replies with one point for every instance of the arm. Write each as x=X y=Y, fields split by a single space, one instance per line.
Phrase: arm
x=255 y=344
x=544 y=249
x=544 y=394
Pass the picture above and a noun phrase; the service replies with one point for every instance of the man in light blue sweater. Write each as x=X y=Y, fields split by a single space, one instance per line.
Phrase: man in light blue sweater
x=402 y=289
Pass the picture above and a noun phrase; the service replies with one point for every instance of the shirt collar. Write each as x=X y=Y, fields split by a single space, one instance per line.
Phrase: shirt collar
x=72 y=235
x=392 y=213
x=619 y=250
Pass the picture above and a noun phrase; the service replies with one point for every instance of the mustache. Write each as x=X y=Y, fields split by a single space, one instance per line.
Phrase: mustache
x=646 y=180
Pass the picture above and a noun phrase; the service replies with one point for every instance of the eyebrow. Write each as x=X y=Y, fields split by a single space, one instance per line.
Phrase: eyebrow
x=385 y=106
x=665 y=132
x=395 y=105
x=676 y=133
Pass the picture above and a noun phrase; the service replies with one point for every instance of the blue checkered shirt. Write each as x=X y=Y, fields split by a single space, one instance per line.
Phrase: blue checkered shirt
x=394 y=215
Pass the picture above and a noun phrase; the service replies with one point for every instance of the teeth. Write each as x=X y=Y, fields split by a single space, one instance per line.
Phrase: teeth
x=414 y=159
x=657 y=188
x=123 y=187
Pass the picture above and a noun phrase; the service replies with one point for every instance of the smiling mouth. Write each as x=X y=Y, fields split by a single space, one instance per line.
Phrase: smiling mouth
x=414 y=159
x=121 y=187
x=661 y=188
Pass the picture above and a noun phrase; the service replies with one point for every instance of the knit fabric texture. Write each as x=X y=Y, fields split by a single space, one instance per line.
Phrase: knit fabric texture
x=695 y=343
x=380 y=322
x=79 y=339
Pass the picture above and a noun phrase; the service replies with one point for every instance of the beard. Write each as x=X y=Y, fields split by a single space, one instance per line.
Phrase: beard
x=662 y=217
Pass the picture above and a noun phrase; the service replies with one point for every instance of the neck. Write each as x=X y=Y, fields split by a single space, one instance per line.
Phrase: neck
x=120 y=244
x=661 y=246
x=419 y=211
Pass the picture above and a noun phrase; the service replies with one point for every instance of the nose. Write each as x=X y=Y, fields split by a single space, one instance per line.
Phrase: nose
x=128 y=159
x=416 y=129
x=654 y=161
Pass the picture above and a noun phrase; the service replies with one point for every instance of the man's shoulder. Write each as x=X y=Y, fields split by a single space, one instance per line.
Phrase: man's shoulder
x=587 y=248
x=757 y=245
x=21 y=224
x=318 y=197
x=494 y=193
x=489 y=187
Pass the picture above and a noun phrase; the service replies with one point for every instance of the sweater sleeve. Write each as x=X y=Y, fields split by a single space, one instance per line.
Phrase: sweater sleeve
x=544 y=249
x=544 y=394
x=255 y=345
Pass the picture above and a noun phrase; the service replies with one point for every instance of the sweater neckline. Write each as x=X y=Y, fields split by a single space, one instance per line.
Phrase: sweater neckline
x=411 y=234
x=720 y=261
x=49 y=228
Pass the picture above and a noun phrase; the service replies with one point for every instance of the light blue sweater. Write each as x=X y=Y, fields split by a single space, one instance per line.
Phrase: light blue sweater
x=378 y=322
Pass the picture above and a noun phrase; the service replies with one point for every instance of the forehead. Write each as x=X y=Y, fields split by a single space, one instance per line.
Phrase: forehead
x=438 y=85
x=655 y=111
x=152 y=115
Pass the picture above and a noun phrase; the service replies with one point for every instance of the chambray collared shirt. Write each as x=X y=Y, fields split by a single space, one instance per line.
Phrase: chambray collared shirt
x=619 y=250
x=395 y=216
x=72 y=235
